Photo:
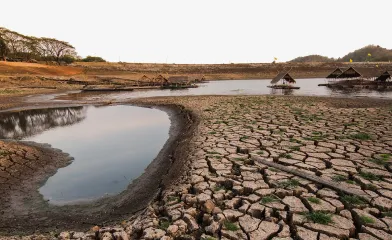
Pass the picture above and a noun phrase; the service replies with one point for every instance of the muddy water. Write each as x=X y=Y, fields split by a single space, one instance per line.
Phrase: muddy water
x=110 y=146
x=308 y=87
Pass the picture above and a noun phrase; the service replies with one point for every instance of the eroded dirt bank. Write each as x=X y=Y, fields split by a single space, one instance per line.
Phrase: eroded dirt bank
x=222 y=186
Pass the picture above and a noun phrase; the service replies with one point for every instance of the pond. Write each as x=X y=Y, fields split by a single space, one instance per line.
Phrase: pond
x=308 y=87
x=111 y=146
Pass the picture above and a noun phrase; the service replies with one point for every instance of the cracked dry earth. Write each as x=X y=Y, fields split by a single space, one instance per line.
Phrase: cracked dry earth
x=228 y=189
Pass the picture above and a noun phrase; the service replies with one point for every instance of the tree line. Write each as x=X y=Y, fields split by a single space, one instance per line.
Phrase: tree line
x=18 y=47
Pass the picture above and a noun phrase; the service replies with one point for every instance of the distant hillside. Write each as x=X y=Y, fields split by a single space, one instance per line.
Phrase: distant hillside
x=312 y=58
x=377 y=54
x=371 y=53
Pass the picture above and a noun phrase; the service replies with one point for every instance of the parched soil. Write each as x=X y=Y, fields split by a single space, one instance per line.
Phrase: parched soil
x=266 y=167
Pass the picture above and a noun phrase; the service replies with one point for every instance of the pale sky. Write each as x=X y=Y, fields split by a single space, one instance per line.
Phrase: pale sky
x=214 y=31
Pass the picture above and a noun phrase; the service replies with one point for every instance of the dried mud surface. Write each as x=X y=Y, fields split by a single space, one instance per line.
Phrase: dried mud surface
x=222 y=186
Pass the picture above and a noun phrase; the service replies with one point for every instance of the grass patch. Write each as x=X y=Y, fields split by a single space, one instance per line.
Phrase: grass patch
x=377 y=161
x=387 y=214
x=269 y=199
x=244 y=138
x=285 y=155
x=239 y=159
x=385 y=157
x=208 y=238
x=212 y=132
x=339 y=178
x=350 y=182
x=296 y=148
x=314 y=200
x=273 y=169
x=293 y=140
x=371 y=187
x=292 y=183
x=164 y=224
x=260 y=152
x=4 y=153
x=219 y=187
x=366 y=219
x=352 y=200
x=230 y=226
x=360 y=136
x=319 y=217
x=172 y=199
x=370 y=176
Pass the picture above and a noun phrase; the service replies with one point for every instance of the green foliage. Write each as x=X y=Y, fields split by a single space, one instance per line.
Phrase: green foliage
x=93 y=59
x=164 y=224
x=314 y=200
x=295 y=148
x=319 y=217
x=269 y=199
x=378 y=54
x=377 y=161
x=4 y=153
x=312 y=58
x=370 y=176
x=285 y=155
x=339 y=178
x=292 y=183
x=360 y=136
x=352 y=200
x=366 y=219
x=230 y=226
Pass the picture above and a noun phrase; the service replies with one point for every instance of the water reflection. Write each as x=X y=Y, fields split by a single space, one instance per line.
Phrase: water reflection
x=308 y=87
x=112 y=145
x=18 y=125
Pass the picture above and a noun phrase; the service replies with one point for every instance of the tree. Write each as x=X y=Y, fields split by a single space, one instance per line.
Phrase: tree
x=3 y=49
x=50 y=47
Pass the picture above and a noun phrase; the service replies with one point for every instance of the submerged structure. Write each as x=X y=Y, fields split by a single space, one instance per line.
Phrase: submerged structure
x=286 y=81
x=178 y=82
x=333 y=75
x=387 y=75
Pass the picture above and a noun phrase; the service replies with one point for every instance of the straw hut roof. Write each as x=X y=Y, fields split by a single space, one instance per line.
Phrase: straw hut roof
x=385 y=76
x=350 y=73
x=145 y=78
x=160 y=78
x=283 y=75
x=178 y=79
x=335 y=73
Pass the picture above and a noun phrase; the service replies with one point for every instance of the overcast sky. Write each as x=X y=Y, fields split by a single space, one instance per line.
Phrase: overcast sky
x=213 y=31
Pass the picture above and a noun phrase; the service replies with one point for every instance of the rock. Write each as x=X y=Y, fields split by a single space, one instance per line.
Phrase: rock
x=172 y=230
x=328 y=230
x=191 y=222
x=299 y=219
x=367 y=219
x=65 y=235
x=107 y=236
x=213 y=229
x=234 y=235
x=78 y=235
x=153 y=233
x=201 y=198
x=377 y=233
x=265 y=231
x=365 y=236
x=295 y=204
x=326 y=237
x=346 y=214
x=343 y=223
x=208 y=206
x=256 y=210
x=382 y=202
x=305 y=234
x=285 y=232
x=232 y=215
x=249 y=223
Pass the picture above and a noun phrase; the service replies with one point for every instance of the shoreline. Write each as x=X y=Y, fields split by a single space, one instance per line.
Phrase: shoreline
x=134 y=198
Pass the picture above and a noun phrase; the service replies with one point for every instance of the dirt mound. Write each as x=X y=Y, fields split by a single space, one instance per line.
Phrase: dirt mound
x=11 y=68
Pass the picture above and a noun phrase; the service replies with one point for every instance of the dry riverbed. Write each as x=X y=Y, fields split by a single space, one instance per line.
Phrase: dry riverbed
x=265 y=167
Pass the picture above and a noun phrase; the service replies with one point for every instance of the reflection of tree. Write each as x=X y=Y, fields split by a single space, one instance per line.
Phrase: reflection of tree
x=19 y=125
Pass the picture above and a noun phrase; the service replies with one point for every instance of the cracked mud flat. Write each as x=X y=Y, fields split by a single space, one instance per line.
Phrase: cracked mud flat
x=227 y=188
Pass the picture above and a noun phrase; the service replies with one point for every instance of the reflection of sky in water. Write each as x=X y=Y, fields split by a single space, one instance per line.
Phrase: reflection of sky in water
x=112 y=146
x=243 y=87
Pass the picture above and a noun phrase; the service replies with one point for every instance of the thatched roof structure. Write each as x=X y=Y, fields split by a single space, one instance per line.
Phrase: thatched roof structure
x=335 y=73
x=350 y=73
x=160 y=79
x=144 y=78
x=385 y=76
x=283 y=75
